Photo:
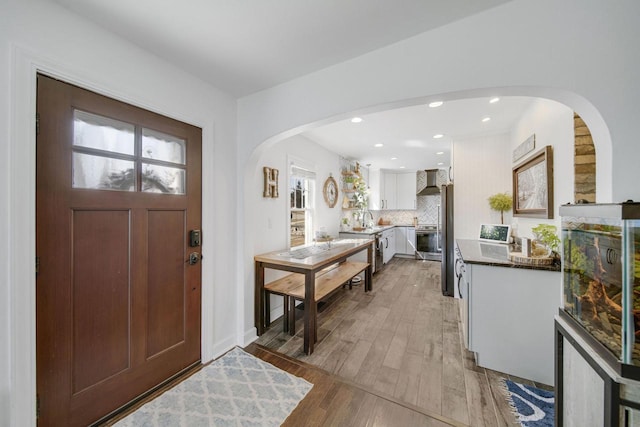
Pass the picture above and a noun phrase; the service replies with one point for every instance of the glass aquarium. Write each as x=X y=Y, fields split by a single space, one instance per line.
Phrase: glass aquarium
x=601 y=274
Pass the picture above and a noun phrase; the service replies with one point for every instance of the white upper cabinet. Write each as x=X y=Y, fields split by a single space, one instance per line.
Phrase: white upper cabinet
x=406 y=190
x=392 y=191
x=375 y=199
x=389 y=191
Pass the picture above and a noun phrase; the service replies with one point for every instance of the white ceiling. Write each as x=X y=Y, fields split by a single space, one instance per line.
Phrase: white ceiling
x=244 y=46
x=407 y=133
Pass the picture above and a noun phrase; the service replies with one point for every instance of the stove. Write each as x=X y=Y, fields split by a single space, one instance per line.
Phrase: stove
x=428 y=244
x=426 y=227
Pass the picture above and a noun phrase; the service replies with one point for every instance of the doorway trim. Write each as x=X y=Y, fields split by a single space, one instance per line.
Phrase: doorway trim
x=25 y=65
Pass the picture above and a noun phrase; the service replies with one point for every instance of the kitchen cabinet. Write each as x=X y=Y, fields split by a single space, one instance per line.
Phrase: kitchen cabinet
x=499 y=303
x=392 y=191
x=375 y=199
x=502 y=303
x=404 y=235
x=388 y=191
x=389 y=242
x=406 y=191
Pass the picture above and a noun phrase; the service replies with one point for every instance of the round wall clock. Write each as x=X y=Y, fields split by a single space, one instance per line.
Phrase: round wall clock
x=330 y=191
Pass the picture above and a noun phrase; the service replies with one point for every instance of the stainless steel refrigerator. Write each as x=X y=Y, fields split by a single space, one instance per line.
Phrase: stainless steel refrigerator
x=446 y=240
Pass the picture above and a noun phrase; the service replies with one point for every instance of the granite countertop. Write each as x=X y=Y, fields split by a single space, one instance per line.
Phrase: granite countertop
x=495 y=254
x=375 y=229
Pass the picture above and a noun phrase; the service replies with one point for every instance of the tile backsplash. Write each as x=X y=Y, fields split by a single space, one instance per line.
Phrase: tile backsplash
x=427 y=212
x=395 y=217
x=428 y=206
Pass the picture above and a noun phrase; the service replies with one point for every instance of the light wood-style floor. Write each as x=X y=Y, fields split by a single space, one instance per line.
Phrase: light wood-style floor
x=402 y=341
x=336 y=402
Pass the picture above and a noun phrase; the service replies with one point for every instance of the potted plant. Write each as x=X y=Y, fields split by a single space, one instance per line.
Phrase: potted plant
x=344 y=224
x=360 y=196
x=546 y=235
x=501 y=202
x=348 y=182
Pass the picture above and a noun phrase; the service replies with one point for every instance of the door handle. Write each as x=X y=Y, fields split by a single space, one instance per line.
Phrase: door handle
x=194 y=257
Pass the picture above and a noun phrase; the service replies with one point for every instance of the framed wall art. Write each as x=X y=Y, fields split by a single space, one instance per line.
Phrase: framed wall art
x=526 y=147
x=533 y=185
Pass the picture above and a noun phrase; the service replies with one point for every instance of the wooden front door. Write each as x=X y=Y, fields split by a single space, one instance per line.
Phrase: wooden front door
x=117 y=299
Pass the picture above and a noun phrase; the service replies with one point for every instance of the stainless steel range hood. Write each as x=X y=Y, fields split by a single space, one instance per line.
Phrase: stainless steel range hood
x=432 y=186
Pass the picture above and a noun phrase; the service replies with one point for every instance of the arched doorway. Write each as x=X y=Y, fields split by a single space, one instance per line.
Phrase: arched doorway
x=251 y=216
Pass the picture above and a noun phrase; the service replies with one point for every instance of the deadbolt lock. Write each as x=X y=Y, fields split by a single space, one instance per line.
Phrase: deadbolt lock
x=194 y=257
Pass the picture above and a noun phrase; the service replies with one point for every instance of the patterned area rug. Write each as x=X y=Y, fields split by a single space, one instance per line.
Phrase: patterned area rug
x=236 y=390
x=534 y=407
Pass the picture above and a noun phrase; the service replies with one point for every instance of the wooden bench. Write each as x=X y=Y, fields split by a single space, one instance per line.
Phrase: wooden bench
x=291 y=287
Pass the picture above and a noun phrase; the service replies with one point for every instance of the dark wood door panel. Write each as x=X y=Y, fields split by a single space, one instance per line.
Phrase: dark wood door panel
x=118 y=307
x=166 y=271
x=101 y=295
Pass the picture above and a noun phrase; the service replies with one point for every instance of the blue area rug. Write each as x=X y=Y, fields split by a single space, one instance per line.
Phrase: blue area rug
x=236 y=390
x=534 y=407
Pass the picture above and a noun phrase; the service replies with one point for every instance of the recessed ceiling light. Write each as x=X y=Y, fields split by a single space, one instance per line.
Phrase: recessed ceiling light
x=401 y=167
x=440 y=152
x=440 y=163
x=356 y=120
x=435 y=104
x=486 y=119
x=494 y=100
x=394 y=158
x=379 y=145
x=438 y=136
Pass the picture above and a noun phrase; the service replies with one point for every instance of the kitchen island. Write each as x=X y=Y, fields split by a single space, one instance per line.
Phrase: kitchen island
x=507 y=309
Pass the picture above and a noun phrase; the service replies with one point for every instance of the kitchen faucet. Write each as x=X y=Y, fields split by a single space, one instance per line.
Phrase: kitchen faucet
x=364 y=224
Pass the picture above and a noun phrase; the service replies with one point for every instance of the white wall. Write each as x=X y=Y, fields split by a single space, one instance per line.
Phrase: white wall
x=270 y=224
x=578 y=52
x=481 y=168
x=5 y=336
x=552 y=124
x=41 y=35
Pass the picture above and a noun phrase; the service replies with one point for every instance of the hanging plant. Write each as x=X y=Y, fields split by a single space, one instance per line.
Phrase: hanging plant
x=501 y=202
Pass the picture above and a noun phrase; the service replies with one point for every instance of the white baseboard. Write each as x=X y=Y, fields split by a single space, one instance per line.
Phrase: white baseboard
x=221 y=348
x=250 y=336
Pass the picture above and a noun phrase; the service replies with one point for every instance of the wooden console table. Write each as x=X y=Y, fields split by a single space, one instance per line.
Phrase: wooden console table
x=338 y=251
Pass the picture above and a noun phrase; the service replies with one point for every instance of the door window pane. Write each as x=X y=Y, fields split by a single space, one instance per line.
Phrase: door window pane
x=103 y=173
x=162 y=179
x=160 y=146
x=102 y=133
